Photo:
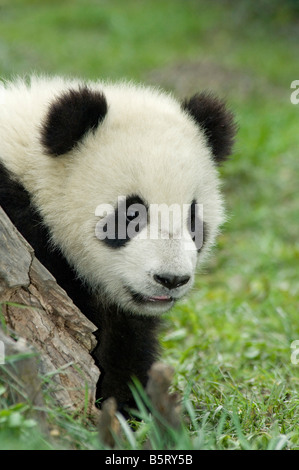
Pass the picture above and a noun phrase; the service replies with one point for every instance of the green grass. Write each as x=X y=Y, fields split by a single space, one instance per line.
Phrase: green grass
x=230 y=341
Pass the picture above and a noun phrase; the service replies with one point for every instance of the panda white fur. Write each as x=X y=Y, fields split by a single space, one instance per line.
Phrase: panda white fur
x=66 y=147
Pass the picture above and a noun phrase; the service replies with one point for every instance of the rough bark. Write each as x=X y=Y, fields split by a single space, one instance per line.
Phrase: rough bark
x=37 y=309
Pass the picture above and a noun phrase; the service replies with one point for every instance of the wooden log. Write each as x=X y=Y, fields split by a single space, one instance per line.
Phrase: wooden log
x=37 y=309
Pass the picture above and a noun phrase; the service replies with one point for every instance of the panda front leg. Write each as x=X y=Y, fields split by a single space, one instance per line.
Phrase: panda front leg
x=127 y=347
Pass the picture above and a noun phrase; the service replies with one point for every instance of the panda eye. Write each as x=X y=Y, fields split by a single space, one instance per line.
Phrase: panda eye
x=134 y=208
x=192 y=216
x=132 y=214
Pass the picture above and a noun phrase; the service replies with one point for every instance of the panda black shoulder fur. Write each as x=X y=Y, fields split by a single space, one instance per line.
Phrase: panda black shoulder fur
x=66 y=148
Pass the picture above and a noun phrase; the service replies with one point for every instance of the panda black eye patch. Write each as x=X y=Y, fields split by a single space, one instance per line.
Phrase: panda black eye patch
x=128 y=219
x=197 y=227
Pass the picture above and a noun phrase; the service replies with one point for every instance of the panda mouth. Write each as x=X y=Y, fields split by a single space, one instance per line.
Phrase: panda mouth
x=141 y=298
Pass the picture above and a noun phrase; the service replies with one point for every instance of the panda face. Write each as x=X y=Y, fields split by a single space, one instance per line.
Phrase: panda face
x=141 y=165
x=158 y=254
x=120 y=152
x=144 y=270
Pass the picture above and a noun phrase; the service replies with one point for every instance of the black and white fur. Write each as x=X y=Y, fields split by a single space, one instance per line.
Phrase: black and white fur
x=68 y=146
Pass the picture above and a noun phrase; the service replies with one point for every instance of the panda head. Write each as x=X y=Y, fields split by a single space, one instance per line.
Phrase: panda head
x=137 y=203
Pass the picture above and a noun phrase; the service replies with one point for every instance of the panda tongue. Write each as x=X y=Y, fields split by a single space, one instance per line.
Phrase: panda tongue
x=161 y=298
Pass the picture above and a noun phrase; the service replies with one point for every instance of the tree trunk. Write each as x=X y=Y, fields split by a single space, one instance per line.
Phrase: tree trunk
x=37 y=309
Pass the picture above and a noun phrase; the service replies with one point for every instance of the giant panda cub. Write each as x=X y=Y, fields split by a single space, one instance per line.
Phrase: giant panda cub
x=85 y=171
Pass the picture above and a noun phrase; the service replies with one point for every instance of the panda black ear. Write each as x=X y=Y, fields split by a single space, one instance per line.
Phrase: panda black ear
x=215 y=120
x=70 y=117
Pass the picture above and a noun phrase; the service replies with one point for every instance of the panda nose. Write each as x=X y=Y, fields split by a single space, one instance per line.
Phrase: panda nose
x=171 y=281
